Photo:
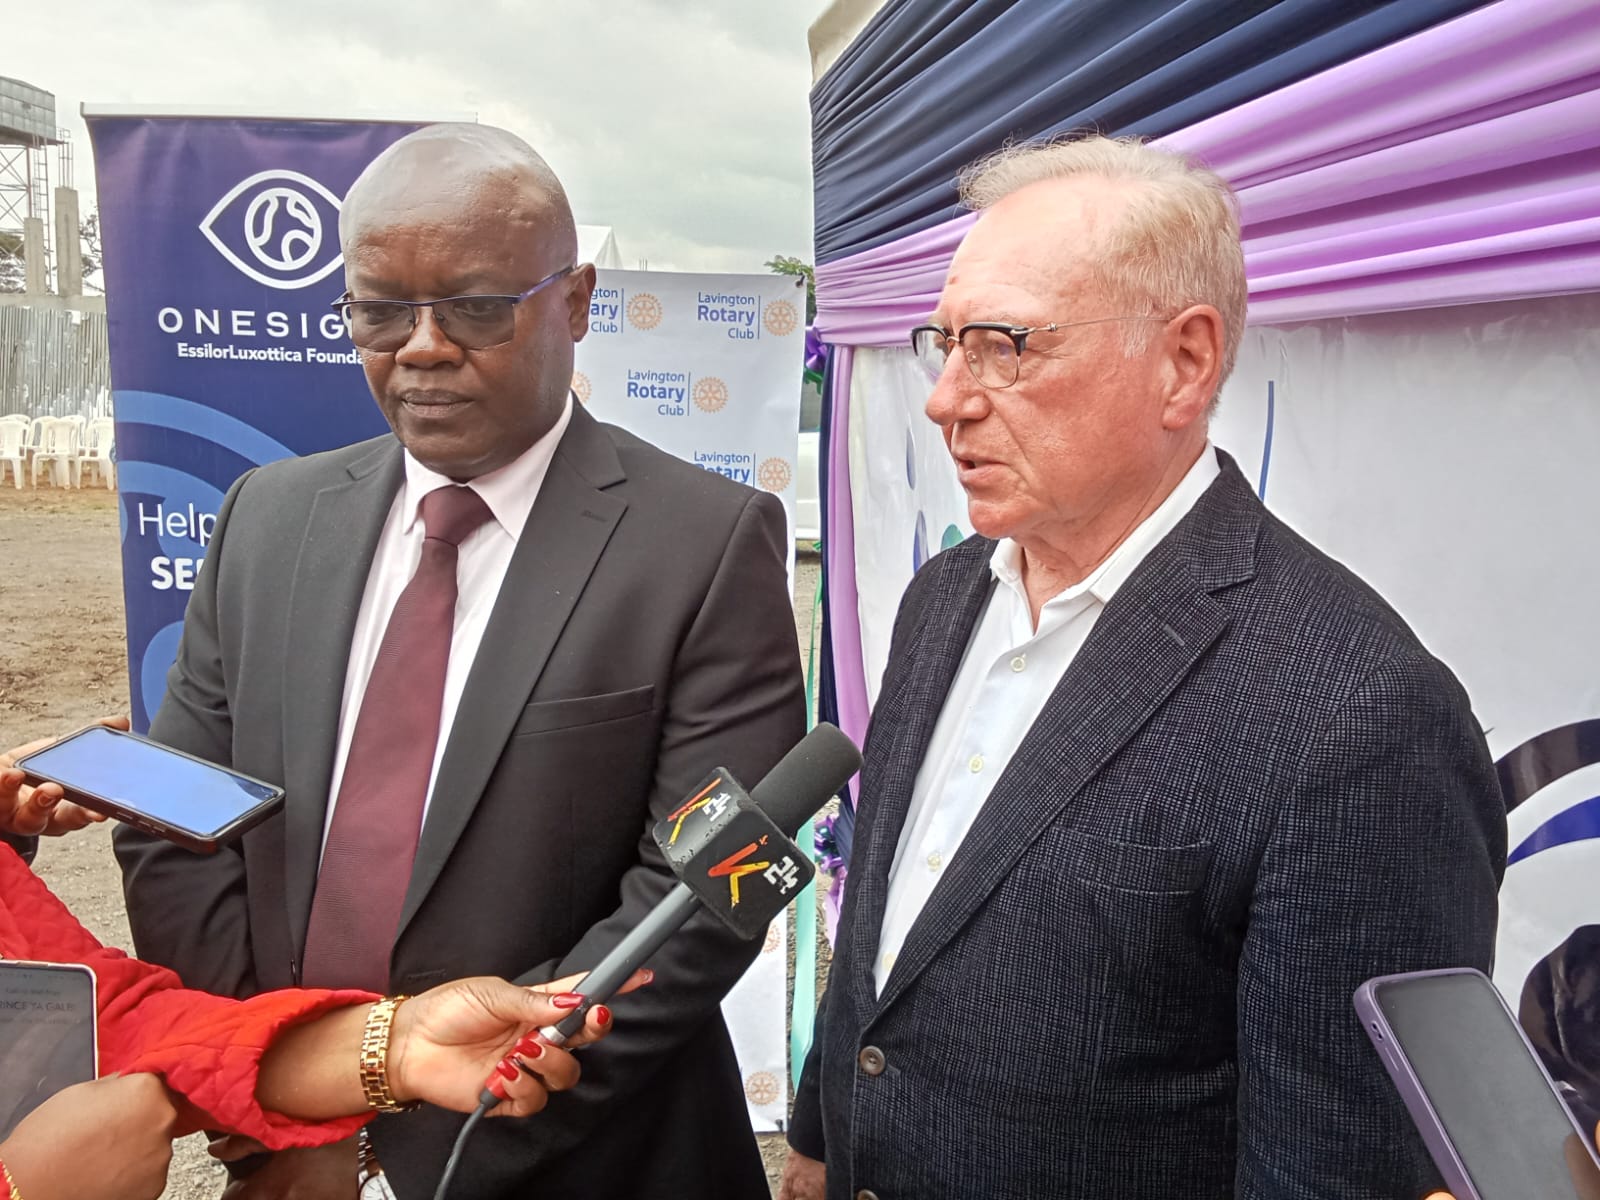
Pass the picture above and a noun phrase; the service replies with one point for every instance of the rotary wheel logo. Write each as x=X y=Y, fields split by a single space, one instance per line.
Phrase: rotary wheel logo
x=780 y=317
x=774 y=475
x=581 y=387
x=771 y=942
x=761 y=1088
x=710 y=394
x=644 y=311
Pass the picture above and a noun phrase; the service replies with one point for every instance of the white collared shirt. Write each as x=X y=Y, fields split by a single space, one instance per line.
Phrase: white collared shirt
x=482 y=560
x=1006 y=676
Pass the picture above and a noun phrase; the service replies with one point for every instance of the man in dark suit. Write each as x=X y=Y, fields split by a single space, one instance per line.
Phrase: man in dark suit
x=1151 y=784
x=565 y=646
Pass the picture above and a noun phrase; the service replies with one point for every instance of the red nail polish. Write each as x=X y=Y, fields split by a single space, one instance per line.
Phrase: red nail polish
x=602 y=1014
x=649 y=976
x=567 y=1000
x=530 y=1046
x=507 y=1068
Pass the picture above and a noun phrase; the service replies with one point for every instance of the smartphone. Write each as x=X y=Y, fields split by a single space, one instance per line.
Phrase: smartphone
x=1488 y=1111
x=47 y=1034
x=152 y=787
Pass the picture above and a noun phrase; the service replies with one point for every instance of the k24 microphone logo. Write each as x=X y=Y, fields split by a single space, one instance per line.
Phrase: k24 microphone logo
x=279 y=228
x=782 y=875
x=721 y=836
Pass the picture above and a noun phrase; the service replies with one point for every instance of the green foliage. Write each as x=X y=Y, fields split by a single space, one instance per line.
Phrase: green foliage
x=783 y=264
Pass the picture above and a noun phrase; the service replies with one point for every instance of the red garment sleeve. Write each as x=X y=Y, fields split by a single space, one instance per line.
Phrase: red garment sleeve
x=207 y=1048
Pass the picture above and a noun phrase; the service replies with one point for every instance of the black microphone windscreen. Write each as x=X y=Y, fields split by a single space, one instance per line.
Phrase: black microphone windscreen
x=820 y=764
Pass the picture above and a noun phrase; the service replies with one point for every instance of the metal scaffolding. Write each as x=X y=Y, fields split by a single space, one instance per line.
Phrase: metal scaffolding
x=27 y=131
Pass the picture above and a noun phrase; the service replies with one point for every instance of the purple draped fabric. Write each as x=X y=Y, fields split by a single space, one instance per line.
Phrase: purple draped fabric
x=1457 y=166
x=844 y=619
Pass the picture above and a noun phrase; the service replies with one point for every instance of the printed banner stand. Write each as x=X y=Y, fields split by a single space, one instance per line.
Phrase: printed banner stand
x=708 y=368
x=705 y=366
x=221 y=262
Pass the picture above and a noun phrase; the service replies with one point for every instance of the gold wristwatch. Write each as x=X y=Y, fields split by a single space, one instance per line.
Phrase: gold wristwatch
x=375 y=1057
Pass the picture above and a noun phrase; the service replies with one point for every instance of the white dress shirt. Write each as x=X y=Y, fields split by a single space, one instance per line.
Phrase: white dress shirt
x=1006 y=675
x=480 y=569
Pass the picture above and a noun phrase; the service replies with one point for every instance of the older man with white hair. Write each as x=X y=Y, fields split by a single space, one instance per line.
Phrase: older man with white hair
x=1152 y=784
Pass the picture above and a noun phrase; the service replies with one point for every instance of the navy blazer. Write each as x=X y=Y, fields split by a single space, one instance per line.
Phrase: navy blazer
x=1252 y=790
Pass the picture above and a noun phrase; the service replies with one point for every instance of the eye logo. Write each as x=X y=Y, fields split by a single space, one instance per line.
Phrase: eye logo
x=780 y=318
x=710 y=394
x=277 y=227
x=774 y=475
x=644 y=311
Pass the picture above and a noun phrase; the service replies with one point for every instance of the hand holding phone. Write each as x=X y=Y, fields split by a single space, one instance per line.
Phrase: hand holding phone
x=1491 y=1116
x=152 y=787
x=43 y=810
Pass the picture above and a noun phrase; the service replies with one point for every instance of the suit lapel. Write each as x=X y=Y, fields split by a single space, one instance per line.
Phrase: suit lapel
x=907 y=710
x=566 y=532
x=330 y=577
x=1156 y=628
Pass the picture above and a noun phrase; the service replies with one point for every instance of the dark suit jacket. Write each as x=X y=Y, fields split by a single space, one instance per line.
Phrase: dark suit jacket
x=643 y=635
x=1252 y=790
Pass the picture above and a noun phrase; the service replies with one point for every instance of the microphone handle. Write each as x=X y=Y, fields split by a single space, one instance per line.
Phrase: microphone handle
x=612 y=971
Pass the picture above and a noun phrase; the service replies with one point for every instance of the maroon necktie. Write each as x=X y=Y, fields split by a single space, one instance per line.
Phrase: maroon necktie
x=366 y=864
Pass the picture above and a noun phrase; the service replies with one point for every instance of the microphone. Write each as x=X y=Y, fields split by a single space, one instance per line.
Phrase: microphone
x=734 y=853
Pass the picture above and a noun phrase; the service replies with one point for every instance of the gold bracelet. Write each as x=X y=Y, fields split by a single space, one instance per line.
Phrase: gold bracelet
x=375 y=1057
x=16 y=1192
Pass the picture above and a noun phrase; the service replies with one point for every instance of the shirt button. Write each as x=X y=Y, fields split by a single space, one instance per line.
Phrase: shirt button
x=871 y=1060
x=888 y=961
x=975 y=763
x=935 y=861
x=1019 y=662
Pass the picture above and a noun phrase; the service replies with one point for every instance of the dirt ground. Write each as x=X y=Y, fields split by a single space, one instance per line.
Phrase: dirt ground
x=63 y=661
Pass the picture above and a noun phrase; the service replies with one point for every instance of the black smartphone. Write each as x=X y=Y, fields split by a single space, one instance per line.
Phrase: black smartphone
x=47 y=1035
x=153 y=787
x=1488 y=1111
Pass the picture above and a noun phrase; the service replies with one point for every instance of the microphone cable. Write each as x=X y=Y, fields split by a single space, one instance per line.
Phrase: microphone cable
x=454 y=1160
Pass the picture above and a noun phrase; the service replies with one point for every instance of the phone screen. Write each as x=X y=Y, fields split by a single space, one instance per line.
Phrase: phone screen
x=1511 y=1132
x=176 y=790
x=47 y=1029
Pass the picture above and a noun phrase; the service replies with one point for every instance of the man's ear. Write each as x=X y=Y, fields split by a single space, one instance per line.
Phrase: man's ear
x=1193 y=347
x=579 y=292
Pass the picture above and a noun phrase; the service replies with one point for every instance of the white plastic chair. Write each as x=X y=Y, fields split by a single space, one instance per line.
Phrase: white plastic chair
x=13 y=446
x=58 y=445
x=36 y=433
x=98 y=439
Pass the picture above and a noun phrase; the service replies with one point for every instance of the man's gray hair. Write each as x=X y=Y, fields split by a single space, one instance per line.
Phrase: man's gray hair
x=1176 y=245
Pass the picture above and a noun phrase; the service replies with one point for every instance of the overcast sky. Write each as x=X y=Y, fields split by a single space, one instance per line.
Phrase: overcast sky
x=681 y=123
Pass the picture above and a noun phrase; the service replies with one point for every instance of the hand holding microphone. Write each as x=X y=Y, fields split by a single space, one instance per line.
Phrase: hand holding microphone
x=733 y=853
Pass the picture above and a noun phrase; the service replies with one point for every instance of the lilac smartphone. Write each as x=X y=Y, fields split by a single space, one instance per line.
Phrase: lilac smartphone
x=1489 y=1113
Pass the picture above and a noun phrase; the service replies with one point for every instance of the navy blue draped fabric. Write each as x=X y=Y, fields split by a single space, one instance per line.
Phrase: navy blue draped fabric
x=931 y=85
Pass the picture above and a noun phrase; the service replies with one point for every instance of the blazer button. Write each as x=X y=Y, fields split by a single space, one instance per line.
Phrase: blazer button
x=872 y=1062
x=866 y=1194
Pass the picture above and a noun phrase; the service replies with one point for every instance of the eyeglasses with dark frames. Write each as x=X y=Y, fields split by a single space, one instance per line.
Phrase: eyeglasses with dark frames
x=471 y=322
x=993 y=349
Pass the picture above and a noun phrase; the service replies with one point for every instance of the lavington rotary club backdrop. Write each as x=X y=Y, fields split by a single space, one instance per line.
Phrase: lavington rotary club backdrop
x=222 y=262
x=708 y=368
x=705 y=366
